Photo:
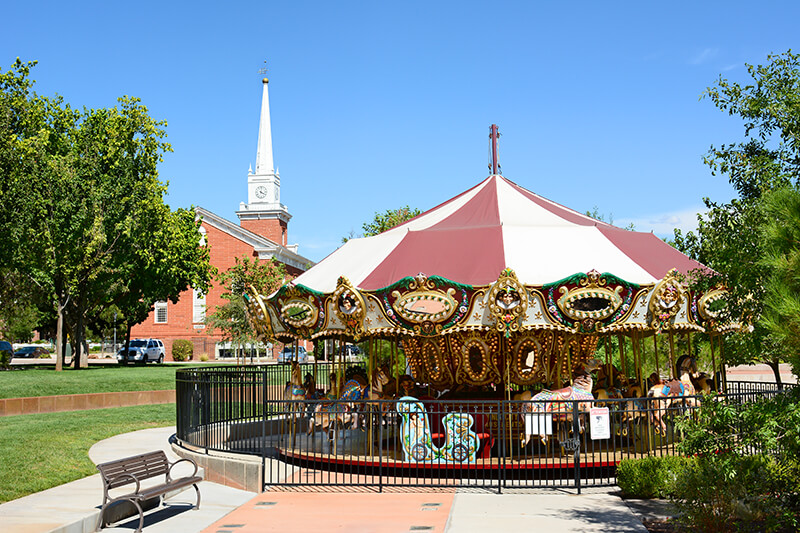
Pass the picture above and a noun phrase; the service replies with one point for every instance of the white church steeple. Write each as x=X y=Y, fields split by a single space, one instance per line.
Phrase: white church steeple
x=264 y=164
x=264 y=186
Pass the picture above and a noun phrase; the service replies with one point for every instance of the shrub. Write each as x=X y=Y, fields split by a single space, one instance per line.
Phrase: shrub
x=729 y=492
x=650 y=477
x=203 y=357
x=5 y=359
x=182 y=350
x=745 y=473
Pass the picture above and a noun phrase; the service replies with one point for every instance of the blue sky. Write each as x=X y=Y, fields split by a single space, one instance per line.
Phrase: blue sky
x=377 y=105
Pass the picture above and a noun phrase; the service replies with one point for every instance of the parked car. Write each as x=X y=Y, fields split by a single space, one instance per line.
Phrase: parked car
x=351 y=353
x=142 y=351
x=287 y=355
x=32 y=351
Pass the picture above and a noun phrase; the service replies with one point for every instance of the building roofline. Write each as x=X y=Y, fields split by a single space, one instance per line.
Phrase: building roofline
x=265 y=247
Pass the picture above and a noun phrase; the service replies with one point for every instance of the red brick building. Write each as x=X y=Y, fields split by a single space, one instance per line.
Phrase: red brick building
x=261 y=233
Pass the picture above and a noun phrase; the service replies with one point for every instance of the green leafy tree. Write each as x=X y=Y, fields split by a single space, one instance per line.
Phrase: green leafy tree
x=597 y=215
x=166 y=259
x=231 y=318
x=729 y=236
x=385 y=221
x=89 y=220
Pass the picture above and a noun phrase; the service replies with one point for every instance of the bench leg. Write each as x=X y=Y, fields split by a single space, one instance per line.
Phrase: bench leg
x=102 y=523
x=197 y=490
x=141 y=516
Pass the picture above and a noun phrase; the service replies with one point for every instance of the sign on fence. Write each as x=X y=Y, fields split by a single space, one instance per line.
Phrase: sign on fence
x=599 y=424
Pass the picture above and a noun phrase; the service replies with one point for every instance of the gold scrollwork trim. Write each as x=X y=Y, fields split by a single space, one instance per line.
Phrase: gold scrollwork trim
x=705 y=302
x=423 y=306
x=259 y=316
x=571 y=301
x=299 y=313
x=349 y=307
x=508 y=302
x=668 y=296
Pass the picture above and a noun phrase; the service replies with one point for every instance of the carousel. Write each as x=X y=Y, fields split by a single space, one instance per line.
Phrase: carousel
x=497 y=293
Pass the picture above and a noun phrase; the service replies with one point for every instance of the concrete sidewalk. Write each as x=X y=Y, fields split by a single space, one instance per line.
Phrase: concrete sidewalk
x=74 y=507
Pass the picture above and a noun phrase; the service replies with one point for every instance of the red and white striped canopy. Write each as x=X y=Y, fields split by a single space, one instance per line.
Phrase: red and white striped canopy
x=497 y=224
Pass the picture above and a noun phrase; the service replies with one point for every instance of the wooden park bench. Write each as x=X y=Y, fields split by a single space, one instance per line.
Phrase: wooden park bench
x=136 y=469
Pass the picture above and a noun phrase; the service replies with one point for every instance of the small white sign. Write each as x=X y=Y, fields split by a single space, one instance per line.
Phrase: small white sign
x=599 y=423
x=538 y=424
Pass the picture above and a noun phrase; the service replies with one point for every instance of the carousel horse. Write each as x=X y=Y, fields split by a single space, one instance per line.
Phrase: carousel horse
x=403 y=386
x=552 y=402
x=343 y=410
x=604 y=378
x=703 y=383
x=295 y=389
x=310 y=386
x=675 y=392
x=311 y=392
x=634 y=410
x=460 y=442
x=295 y=393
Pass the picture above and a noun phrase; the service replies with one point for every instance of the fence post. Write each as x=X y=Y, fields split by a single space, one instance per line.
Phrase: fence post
x=380 y=445
x=501 y=476
x=264 y=430
x=576 y=443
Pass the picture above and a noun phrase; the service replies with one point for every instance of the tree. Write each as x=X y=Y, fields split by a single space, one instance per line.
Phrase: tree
x=729 y=238
x=167 y=259
x=385 y=221
x=31 y=131
x=782 y=258
x=231 y=318
x=597 y=215
x=90 y=226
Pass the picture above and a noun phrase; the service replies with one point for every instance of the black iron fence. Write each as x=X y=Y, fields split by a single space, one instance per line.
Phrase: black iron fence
x=415 y=442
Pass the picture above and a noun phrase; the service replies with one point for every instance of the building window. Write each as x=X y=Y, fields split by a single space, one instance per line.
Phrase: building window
x=161 y=312
x=198 y=306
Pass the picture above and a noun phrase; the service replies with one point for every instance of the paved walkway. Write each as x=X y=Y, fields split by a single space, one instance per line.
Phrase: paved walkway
x=74 y=507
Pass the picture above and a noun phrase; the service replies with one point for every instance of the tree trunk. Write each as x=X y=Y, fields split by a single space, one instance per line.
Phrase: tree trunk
x=127 y=341
x=79 y=356
x=59 y=338
x=776 y=369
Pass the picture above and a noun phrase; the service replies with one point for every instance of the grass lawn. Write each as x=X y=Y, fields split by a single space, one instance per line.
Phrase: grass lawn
x=24 y=382
x=45 y=381
x=46 y=450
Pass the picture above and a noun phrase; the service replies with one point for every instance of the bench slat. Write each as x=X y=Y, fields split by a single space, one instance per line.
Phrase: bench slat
x=144 y=466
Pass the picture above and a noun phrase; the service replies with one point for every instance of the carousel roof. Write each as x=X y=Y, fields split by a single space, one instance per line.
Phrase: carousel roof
x=495 y=225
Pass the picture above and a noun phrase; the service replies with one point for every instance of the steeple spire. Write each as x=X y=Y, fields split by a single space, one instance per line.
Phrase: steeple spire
x=264 y=213
x=264 y=163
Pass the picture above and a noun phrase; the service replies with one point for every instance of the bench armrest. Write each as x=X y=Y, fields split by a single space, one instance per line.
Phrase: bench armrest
x=169 y=472
x=107 y=482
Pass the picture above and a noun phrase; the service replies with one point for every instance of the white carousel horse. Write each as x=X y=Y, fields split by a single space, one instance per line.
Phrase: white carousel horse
x=552 y=402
